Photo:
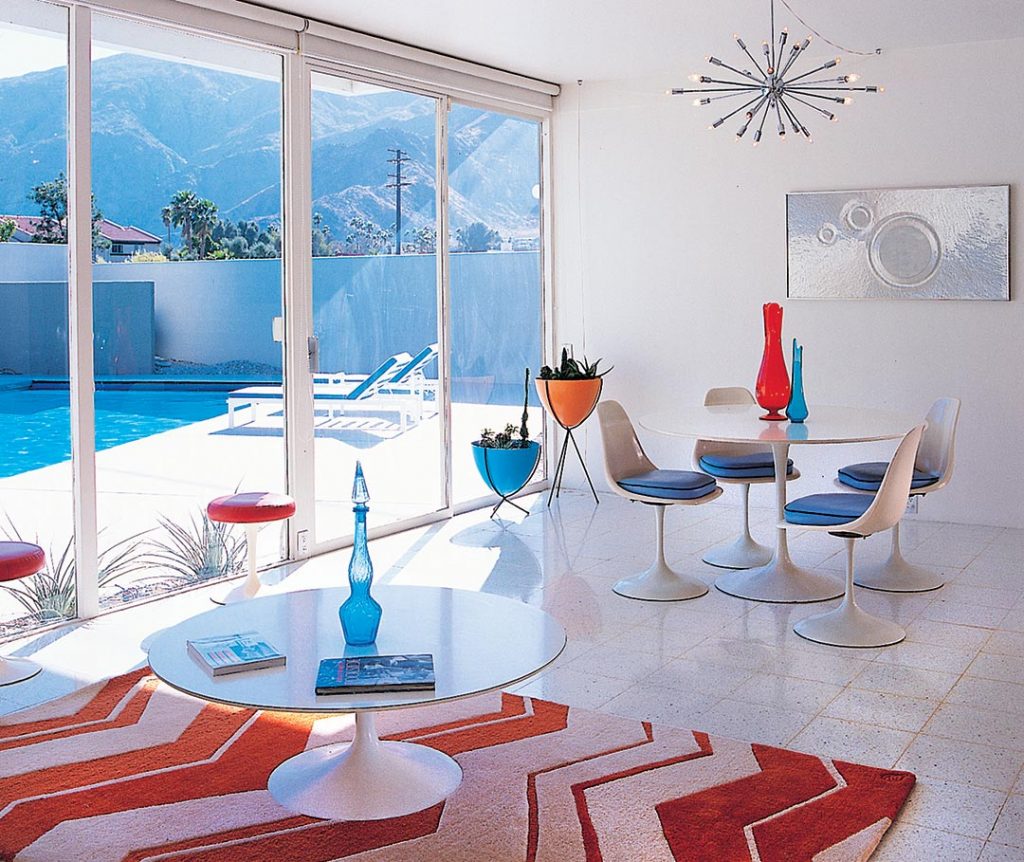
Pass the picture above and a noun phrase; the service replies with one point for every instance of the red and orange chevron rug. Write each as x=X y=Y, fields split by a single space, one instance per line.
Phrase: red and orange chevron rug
x=132 y=770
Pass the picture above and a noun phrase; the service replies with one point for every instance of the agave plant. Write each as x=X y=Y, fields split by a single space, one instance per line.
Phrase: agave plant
x=199 y=551
x=50 y=594
x=572 y=369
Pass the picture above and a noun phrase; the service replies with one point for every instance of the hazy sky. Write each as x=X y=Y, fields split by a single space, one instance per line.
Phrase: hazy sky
x=22 y=52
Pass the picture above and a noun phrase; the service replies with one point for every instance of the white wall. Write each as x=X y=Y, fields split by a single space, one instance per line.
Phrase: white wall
x=679 y=237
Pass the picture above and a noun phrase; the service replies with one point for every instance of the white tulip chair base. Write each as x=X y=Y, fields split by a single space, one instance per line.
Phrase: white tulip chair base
x=14 y=670
x=744 y=553
x=661 y=584
x=849 y=626
x=365 y=780
x=896 y=574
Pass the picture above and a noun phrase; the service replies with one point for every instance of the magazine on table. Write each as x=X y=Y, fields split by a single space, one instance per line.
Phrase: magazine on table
x=233 y=653
x=372 y=673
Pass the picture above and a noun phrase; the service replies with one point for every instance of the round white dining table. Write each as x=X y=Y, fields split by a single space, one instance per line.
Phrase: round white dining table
x=781 y=580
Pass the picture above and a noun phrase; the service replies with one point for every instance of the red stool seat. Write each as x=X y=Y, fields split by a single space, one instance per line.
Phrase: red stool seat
x=19 y=560
x=253 y=507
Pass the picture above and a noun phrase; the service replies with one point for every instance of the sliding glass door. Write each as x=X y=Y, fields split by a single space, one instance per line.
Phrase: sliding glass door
x=253 y=304
x=35 y=416
x=187 y=285
x=376 y=398
x=494 y=178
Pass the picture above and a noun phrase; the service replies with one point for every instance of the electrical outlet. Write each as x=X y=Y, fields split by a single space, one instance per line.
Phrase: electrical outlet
x=302 y=541
x=911 y=506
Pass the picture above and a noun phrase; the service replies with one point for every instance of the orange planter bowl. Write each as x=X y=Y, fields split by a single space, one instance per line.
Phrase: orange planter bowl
x=569 y=402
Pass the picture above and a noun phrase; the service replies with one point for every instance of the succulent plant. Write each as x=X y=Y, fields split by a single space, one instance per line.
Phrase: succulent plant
x=511 y=437
x=572 y=369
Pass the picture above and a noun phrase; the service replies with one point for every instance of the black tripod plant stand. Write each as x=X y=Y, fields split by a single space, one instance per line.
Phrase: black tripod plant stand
x=570 y=403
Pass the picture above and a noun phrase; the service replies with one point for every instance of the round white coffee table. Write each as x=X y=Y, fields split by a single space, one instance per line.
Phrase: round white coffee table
x=480 y=642
x=781 y=580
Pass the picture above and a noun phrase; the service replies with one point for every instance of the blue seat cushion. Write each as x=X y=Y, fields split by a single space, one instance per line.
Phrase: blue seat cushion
x=756 y=465
x=826 y=510
x=670 y=484
x=868 y=476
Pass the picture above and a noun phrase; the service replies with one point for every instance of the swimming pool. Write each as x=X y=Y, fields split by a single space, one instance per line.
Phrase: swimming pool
x=35 y=424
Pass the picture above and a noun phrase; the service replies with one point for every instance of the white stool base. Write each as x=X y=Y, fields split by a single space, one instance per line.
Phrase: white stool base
x=661 y=584
x=14 y=670
x=250 y=587
x=780 y=581
x=367 y=780
x=849 y=626
x=744 y=553
x=235 y=594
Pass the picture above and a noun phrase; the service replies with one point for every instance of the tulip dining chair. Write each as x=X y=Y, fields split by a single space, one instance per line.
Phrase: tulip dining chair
x=932 y=471
x=631 y=474
x=742 y=464
x=852 y=517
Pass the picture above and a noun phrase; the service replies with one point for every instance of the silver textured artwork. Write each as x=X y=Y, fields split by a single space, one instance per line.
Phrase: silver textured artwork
x=942 y=243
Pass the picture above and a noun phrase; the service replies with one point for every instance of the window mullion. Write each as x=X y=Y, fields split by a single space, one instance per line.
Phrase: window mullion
x=80 y=305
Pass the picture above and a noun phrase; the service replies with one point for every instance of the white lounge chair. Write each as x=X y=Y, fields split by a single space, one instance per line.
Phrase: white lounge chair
x=336 y=393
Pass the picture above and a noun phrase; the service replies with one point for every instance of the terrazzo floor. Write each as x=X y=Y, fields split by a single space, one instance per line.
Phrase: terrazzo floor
x=947 y=703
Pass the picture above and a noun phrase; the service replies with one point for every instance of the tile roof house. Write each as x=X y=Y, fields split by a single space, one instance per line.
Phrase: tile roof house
x=124 y=240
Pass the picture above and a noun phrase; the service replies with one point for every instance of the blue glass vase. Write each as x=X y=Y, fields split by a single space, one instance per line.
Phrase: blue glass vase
x=360 y=613
x=796 y=410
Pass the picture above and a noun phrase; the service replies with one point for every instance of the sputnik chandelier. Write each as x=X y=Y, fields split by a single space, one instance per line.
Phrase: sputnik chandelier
x=773 y=90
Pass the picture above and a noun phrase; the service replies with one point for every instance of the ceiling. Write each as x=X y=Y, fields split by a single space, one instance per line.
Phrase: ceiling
x=565 y=40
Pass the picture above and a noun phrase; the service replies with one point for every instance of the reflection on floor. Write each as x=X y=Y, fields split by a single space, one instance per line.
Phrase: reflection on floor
x=947 y=704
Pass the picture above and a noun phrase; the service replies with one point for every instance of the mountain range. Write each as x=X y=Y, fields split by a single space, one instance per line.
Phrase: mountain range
x=161 y=126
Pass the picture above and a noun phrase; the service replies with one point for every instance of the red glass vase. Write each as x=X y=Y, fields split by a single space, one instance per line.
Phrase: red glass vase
x=773 y=386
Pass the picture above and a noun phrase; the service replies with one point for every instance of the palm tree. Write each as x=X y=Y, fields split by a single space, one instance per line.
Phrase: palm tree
x=204 y=220
x=181 y=213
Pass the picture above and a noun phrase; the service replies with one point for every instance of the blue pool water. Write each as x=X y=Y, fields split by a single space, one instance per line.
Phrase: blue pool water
x=35 y=424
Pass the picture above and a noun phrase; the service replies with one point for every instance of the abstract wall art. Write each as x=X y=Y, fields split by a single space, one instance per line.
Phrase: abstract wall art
x=937 y=243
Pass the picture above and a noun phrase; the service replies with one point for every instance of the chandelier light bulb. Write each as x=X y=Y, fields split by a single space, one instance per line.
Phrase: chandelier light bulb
x=847 y=101
x=695 y=78
x=851 y=79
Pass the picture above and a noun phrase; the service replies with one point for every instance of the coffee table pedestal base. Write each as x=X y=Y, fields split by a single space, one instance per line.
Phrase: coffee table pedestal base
x=365 y=780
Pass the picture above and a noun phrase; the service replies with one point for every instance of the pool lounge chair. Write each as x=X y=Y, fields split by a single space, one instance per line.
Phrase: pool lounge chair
x=410 y=381
x=336 y=393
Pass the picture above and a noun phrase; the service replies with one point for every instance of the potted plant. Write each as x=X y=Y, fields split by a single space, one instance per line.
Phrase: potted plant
x=507 y=459
x=570 y=393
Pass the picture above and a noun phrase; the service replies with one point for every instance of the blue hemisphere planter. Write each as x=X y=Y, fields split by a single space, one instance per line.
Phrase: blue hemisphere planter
x=506 y=470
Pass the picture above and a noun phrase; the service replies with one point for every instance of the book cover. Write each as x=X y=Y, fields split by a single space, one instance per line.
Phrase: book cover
x=234 y=652
x=372 y=673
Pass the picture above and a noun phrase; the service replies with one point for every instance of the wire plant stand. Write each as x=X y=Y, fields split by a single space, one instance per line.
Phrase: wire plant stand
x=556 y=483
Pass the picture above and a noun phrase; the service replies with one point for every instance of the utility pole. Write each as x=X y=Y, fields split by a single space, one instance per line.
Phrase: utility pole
x=397 y=183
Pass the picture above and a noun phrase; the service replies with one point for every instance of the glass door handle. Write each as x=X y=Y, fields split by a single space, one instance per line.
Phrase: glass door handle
x=313 y=350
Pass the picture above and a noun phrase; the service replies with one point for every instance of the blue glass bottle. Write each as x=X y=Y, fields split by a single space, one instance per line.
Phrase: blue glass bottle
x=360 y=614
x=796 y=411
